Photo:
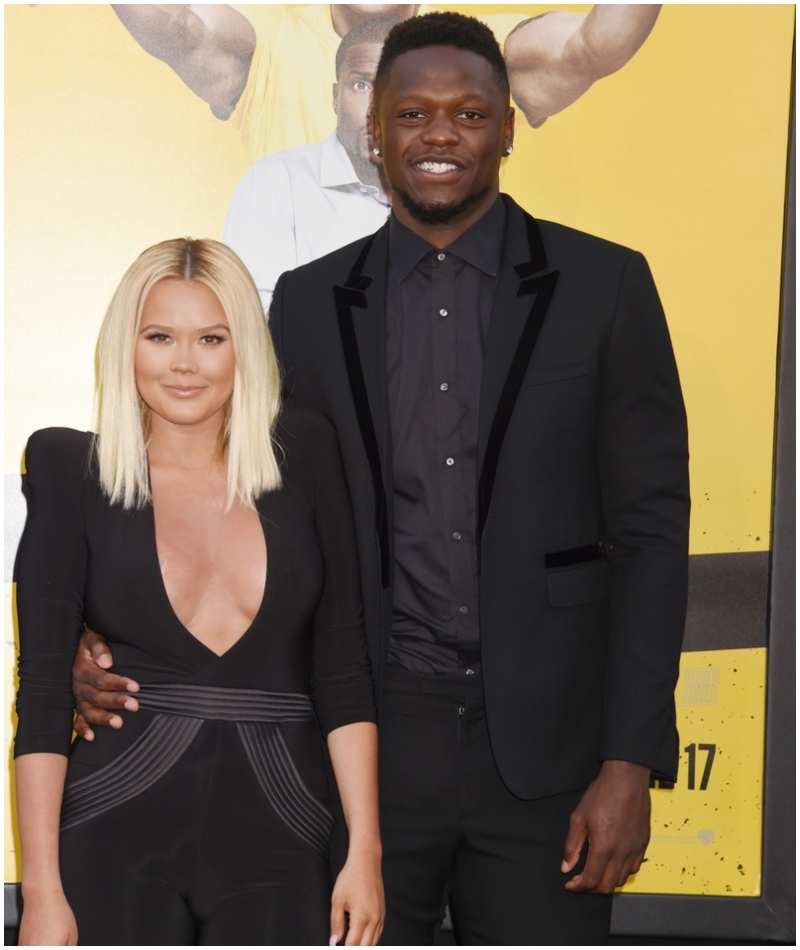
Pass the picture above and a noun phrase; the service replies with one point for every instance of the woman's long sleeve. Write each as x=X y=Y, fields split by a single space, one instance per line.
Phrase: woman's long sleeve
x=342 y=682
x=50 y=575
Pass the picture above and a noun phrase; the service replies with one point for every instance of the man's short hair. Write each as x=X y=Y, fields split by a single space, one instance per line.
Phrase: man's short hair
x=373 y=30
x=442 y=29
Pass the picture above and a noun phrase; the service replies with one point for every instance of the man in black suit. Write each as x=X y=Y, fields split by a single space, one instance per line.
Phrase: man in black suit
x=511 y=421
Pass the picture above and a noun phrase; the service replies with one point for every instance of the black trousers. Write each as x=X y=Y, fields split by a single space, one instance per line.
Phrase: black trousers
x=452 y=831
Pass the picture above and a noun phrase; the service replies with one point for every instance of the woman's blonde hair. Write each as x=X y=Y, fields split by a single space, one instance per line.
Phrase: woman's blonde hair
x=123 y=419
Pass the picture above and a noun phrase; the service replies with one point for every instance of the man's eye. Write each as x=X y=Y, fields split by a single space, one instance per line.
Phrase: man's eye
x=360 y=85
x=411 y=114
x=469 y=114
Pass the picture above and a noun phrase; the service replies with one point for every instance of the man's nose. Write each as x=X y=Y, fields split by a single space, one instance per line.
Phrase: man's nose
x=440 y=131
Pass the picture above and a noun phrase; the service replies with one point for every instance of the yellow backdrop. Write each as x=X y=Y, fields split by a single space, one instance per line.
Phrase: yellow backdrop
x=681 y=155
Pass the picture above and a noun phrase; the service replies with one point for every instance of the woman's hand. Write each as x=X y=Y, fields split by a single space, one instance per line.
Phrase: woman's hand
x=47 y=921
x=358 y=892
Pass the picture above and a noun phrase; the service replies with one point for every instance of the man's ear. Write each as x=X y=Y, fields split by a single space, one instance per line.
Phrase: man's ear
x=374 y=126
x=336 y=98
x=508 y=128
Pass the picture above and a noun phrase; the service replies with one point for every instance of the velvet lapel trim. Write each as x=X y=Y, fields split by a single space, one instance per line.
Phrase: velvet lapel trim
x=346 y=297
x=537 y=279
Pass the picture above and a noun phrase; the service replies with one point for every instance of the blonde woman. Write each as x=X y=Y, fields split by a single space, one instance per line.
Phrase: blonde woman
x=215 y=551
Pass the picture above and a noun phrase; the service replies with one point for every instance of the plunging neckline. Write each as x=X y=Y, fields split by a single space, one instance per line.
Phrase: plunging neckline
x=163 y=587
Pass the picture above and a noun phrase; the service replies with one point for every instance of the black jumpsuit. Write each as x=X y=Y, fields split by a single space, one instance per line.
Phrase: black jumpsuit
x=205 y=818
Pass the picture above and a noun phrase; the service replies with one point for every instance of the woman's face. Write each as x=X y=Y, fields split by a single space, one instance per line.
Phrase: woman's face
x=184 y=361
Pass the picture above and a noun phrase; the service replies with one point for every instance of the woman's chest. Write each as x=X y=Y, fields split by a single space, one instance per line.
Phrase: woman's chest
x=134 y=566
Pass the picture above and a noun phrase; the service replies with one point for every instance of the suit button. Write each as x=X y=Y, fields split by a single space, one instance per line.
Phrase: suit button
x=444 y=387
x=450 y=461
x=456 y=535
x=463 y=610
x=442 y=312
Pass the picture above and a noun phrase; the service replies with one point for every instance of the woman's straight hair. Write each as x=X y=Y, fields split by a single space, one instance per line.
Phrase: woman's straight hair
x=123 y=419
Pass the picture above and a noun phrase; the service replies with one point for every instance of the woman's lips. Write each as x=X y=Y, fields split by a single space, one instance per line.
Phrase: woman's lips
x=185 y=392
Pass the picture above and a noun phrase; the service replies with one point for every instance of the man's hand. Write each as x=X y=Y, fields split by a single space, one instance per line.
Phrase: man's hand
x=614 y=817
x=97 y=692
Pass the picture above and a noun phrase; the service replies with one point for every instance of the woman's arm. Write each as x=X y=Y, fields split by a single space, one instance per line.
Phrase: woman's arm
x=51 y=577
x=341 y=680
x=47 y=919
x=359 y=887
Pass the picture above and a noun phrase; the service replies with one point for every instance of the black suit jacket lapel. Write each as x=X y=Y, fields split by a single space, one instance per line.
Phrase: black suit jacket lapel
x=360 y=309
x=524 y=291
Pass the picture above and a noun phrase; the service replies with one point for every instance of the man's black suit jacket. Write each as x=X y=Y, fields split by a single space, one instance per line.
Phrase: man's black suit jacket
x=583 y=491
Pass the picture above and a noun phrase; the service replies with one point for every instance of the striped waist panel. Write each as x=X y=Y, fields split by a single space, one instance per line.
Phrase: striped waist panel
x=181 y=709
x=229 y=705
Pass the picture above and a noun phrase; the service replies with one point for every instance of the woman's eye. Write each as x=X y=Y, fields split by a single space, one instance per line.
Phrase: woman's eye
x=158 y=337
x=211 y=338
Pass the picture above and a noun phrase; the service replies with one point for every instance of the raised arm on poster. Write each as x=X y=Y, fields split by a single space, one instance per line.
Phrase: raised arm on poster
x=553 y=59
x=209 y=46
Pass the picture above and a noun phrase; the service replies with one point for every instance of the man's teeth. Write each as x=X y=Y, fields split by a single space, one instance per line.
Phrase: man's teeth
x=438 y=168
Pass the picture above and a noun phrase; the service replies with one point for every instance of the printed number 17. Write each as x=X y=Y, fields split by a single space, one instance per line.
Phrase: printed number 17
x=711 y=750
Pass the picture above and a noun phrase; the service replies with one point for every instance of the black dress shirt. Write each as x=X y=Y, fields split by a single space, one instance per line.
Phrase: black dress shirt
x=438 y=304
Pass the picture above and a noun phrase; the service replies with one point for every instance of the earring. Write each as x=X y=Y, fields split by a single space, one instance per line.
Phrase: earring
x=377 y=151
x=508 y=149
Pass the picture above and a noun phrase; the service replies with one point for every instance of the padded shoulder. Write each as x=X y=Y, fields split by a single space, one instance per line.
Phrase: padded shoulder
x=562 y=241
x=307 y=434
x=58 y=450
x=310 y=447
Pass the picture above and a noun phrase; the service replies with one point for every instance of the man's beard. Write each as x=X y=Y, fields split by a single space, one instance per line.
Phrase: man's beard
x=438 y=214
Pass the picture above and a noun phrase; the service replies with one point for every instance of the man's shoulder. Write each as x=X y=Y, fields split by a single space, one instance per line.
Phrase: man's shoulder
x=303 y=158
x=560 y=239
x=336 y=265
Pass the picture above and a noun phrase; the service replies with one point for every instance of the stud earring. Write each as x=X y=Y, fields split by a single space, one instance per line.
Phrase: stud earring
x=508 y=149
x=377 y=151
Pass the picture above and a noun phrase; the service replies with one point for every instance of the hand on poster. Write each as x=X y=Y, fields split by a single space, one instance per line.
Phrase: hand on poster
x=614 y=817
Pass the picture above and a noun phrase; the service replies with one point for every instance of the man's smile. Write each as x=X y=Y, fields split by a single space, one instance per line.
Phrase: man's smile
x=436 y=168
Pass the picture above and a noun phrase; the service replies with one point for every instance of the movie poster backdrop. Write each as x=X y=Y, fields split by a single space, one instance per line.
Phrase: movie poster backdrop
x=680 y=154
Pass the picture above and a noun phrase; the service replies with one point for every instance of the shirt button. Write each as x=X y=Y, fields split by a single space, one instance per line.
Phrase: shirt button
x=442 y=312
x=363 y=190
x=450 y=461
x=444 y=387
x=470 y=672
x=440 y=257
x=456 y=535
x=463 y=610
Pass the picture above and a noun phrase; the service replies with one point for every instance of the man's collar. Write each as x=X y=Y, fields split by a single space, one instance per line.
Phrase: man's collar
x=480 y=245
x=336 y=169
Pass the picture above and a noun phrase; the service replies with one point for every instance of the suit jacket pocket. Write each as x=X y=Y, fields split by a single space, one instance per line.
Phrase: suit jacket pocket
x=579 y=584
x=554 y=374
